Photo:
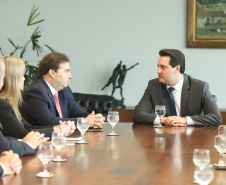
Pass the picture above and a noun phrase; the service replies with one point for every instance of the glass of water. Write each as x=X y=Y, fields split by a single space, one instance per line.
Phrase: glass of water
x=222 y=134
x=201 y=157
x=58 y=141
x=45 y=154
x=204 y=175
x=113 y=119
x=219 y=145
x=160 y=111
x=83 y=126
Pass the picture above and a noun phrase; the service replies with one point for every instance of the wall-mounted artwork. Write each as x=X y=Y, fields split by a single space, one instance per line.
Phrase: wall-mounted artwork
x=206 y=26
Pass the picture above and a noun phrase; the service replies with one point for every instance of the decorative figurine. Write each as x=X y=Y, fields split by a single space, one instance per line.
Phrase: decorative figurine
x=120 y=74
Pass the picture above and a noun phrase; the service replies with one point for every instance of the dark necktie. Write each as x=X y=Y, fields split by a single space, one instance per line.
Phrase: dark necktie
x=172 y=102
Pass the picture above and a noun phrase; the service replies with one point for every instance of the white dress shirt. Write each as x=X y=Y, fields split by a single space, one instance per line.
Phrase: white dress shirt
x=177 y=98
x=51 y=88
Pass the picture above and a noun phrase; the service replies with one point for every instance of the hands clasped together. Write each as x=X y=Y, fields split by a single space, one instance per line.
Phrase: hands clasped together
x=11 y=162
x=68 y=127
x=174 y=121
x=96 y=121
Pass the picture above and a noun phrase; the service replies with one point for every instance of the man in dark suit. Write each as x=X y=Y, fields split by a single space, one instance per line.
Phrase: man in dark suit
x=187 y=101
x=29 y=143
x=49 y=98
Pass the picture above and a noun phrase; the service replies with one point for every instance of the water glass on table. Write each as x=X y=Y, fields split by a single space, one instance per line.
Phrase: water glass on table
x=222 y=134
x=205 y=175
x=201 y=158
x=58 y=141
x=113 y=119
x=219 y=145
x=45 y=154
x=83 y=126
x=160 y=111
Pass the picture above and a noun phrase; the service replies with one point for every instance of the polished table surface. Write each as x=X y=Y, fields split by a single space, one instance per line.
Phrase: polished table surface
x=140 y=155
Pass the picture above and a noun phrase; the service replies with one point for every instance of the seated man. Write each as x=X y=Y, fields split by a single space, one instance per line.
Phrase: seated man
x=10 y=163
x=185 y=98
x=49 y=98
x=29 y=143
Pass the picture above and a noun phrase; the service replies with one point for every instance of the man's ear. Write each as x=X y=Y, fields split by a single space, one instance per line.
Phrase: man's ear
x=52 y=73
x=178 y=68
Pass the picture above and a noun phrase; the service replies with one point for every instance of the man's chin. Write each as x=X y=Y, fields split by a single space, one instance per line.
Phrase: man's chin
x=161 y=80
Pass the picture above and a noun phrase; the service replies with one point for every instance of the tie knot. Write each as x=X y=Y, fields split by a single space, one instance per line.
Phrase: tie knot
x=55 y=95
x=171 y=89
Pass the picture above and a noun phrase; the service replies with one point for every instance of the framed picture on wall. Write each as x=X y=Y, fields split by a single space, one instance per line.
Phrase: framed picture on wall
x=206 y=24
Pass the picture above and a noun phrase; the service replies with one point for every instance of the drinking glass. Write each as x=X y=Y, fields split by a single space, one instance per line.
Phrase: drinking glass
x=58 y=141
x=222 y=134
x=113 y=119
x=83 y=126
x=219 y=145
x=160 y=111
x=201 y=157
x=45 y=154
x=204 y=175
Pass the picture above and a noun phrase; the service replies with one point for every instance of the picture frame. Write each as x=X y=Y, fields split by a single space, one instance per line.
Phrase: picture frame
x=206 y=25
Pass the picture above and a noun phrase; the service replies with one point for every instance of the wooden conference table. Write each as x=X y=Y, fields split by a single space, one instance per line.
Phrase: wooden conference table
x=140 y=155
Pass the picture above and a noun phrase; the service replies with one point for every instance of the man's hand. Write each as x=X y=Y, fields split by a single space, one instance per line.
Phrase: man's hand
x=96 y=121
x=11 y=162
x=34 y=139
x=174 y=121
x=67 y=127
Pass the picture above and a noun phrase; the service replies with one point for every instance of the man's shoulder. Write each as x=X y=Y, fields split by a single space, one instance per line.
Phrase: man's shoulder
x=194 y=81
x=154 y=82
x=36 y=87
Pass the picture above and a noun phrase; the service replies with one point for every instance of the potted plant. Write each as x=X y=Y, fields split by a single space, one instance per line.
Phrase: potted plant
x=30 y=71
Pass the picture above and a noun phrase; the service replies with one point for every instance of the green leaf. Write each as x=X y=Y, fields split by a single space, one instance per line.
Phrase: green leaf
x=34 y=39
x=51 y=49
x=2 y=52
x=33 y=16
x=10 y=40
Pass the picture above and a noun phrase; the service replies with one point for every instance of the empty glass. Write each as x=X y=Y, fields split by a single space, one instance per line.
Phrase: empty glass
x=160 y=111
x=58 y=141
x=113 y=119
x=45 y=154
x=204 y=175
x=83 y=126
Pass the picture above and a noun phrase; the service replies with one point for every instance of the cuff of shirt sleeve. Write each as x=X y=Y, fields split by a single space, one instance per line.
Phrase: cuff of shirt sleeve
x=3 y=168
x=25 y=142
x=190 y=121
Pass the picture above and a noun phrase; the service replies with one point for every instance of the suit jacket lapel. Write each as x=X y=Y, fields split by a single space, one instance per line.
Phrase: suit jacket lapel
x=48 y=91
x=165 y=99
x=184 y=95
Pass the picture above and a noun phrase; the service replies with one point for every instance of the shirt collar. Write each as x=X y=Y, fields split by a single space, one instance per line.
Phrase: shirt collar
x=178 y=86
x=51 y=88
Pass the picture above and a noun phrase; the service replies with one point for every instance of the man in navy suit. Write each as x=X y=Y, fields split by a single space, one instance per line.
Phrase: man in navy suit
x=40 y=106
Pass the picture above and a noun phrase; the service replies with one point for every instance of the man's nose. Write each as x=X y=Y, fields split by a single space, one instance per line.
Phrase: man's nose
x=159 y=70
x=70 y=76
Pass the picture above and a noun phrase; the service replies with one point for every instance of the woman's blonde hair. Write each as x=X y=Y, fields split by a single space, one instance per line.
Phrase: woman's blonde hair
x=15 y=69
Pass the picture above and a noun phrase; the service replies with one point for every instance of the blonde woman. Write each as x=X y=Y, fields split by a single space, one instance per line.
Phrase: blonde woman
x=10 y=100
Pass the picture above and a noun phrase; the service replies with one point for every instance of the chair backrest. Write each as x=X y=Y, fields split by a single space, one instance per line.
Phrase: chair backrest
x=99 y=103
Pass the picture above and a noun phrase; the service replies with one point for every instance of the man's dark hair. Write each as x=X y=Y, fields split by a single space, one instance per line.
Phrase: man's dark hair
x=176 y=58
x=51 y=61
